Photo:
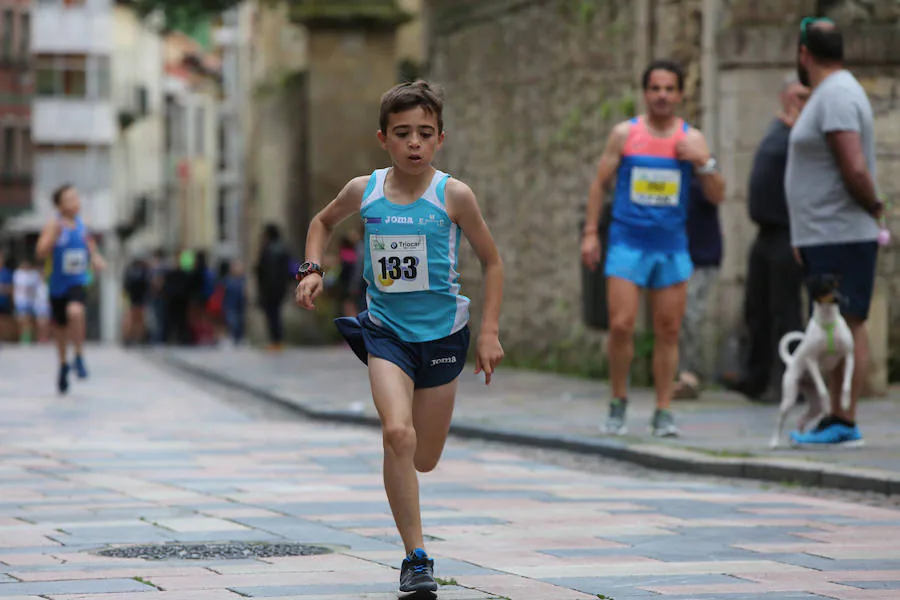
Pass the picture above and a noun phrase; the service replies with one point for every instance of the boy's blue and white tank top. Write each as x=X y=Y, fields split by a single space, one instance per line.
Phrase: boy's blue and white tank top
x=70 y=259
x=411 y=254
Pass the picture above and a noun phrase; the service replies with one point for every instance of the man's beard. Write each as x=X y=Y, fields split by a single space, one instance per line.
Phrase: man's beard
x=802 y=74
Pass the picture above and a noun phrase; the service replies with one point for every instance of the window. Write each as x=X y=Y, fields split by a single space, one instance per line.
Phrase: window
x=8 y=22
x=223 y=215
x=27 y=152
x=223 y=146
x=24 y=35
x=9 y=149
x=73 y=76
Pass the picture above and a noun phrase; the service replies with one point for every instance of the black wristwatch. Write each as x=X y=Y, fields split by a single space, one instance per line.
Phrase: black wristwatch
x=308 y=268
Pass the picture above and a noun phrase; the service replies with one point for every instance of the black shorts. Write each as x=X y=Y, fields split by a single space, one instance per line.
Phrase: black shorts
x=59 y=304
x=137 y=300
x=853 y=264
x=428 y=364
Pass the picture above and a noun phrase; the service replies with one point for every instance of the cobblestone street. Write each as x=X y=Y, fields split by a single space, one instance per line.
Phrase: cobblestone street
x=137 y=455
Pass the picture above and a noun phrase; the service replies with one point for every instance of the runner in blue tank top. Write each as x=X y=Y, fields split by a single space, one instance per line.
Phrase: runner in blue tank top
x=414 y=335
x=652 y=159
x=66 y=240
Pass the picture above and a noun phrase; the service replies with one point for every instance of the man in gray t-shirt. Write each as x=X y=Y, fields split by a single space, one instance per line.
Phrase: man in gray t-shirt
x=833 y=204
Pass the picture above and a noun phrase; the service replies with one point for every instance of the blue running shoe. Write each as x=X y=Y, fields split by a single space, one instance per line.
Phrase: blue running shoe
x=62 y=382
x=417 y=573
x=835 y=434
x=80 y=368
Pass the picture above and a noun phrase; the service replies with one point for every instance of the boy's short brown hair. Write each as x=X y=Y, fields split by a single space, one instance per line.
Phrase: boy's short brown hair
x=58 y=193
x=406 y=96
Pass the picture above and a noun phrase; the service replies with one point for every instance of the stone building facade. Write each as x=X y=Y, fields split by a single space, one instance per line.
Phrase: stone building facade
x=533 y=88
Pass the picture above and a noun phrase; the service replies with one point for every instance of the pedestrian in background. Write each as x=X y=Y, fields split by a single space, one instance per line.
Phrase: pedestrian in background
x=273 y=274
x=26 y=282
x=7 y=322
x=772 y=290
x=137 y=281
x=159 y=266
x=234 y=303
x=705 y=246
x=834 y=205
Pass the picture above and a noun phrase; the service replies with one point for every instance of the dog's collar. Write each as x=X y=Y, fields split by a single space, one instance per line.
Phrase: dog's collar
x=828 y=328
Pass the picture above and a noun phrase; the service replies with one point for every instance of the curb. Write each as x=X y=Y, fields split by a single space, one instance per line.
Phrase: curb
x=646 y=455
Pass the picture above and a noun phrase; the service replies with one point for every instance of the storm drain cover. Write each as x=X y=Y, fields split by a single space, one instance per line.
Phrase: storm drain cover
x=225 y=551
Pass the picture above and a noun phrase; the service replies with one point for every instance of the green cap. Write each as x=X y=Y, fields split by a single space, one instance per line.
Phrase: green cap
x=187 y=260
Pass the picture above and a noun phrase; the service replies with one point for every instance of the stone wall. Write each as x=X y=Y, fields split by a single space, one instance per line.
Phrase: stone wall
x=534 y=87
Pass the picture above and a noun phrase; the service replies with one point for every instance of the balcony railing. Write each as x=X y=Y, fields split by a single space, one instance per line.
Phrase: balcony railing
x=69 y=121
x=75 y=30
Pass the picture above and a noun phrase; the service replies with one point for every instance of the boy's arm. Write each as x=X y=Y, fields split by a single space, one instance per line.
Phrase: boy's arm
x=47 y=239
x=97 y=260
x=323 y=224
x=346 y=203
x=463 y=209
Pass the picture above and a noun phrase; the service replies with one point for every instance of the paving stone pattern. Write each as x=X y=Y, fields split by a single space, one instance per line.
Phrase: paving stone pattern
x=135 y=456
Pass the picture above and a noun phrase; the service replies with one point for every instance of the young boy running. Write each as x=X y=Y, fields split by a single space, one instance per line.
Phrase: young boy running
x=66 y=240
x=414 y=335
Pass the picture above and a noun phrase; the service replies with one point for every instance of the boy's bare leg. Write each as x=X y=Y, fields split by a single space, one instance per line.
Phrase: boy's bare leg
x=432 y=412
x=392 y=391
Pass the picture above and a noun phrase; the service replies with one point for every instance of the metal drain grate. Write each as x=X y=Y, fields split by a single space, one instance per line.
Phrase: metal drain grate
x=225 y=551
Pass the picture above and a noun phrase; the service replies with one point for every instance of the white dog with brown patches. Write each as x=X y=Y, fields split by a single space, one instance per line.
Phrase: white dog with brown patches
x=826 y=342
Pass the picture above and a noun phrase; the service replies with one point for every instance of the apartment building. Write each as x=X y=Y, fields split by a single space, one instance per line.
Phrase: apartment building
x=16 y=86
x=97 y=86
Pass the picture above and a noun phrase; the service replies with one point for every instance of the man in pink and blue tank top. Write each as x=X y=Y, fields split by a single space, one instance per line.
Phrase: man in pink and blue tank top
x=652 y=159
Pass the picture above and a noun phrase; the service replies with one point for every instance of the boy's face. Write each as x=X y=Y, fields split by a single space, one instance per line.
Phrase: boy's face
x=69 y=203
x=412 y=139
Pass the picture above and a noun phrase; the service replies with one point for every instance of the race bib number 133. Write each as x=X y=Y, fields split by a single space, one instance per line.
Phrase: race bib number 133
x=400 y=262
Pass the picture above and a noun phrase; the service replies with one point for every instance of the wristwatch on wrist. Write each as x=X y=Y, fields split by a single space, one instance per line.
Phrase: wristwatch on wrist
x=308 y=268
x=708 y=167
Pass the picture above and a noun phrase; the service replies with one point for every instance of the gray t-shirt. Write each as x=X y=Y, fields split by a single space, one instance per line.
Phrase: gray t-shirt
x=821 y=209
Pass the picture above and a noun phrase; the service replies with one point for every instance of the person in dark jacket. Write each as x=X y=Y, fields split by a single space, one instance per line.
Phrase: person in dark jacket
x=705 y=245
x=137 y=281
x=177 y=292
x=772 y=301
x=273 y=274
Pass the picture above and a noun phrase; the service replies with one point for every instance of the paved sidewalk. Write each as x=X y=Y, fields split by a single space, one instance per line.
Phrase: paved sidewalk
x=133 y=456
x=722 y=433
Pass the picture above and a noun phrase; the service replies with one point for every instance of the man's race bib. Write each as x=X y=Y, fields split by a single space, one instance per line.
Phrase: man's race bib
x=655 y=187
x=400 y=263
x=74 y=261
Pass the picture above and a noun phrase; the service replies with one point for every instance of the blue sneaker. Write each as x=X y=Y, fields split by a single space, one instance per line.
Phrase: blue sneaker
x=80 y=369
x=835 y=434
x=62 y=381
x=417 y=574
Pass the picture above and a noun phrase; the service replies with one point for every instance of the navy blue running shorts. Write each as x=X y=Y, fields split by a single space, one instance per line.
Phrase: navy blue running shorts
x=428 y=364
x=853 y=264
